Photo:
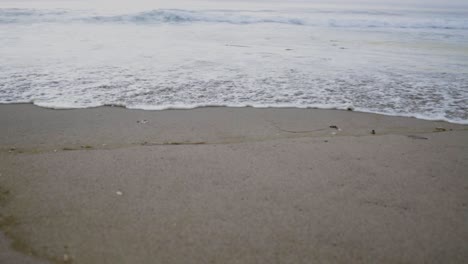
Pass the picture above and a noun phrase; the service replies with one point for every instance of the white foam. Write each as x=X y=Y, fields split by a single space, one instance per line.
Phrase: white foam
x=63 y=105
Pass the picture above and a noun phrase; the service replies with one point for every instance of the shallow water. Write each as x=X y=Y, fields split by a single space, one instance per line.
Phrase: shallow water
x=408 y=62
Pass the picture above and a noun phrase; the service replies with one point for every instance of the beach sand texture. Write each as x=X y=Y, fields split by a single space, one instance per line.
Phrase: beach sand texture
x=230 y=185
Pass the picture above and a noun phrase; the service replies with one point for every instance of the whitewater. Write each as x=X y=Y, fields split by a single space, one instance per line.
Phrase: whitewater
x=394 y=61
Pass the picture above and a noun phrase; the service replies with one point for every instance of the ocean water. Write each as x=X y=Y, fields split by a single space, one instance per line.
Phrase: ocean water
x=396 y=61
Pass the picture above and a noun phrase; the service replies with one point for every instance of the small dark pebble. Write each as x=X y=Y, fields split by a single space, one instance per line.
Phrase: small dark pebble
x=373 y=132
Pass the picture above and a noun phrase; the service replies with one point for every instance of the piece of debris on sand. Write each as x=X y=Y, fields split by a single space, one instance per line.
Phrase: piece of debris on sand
x=417 y=137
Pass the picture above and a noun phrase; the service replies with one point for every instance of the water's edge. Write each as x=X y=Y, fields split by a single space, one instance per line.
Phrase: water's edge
x=191 y=107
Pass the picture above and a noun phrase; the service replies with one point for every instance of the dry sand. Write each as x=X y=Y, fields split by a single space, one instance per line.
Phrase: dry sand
x=230 y=185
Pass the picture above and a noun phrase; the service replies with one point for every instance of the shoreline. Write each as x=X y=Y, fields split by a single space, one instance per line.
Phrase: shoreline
x=139 y=125
x=191 y=107
x=230 y=185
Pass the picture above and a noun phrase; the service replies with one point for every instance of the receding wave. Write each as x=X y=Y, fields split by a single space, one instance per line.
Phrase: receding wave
x=239 y=17
x=434 y=96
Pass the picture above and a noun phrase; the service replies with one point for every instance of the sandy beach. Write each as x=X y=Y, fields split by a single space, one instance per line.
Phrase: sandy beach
x=230 y=185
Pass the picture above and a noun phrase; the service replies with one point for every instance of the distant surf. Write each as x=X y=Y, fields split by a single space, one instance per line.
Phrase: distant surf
x=346 y=19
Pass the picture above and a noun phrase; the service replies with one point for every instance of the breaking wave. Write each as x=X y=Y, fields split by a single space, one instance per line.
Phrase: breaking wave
x=241 y=17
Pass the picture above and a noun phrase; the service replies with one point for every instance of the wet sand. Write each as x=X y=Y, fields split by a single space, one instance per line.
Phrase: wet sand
x=230 y=185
